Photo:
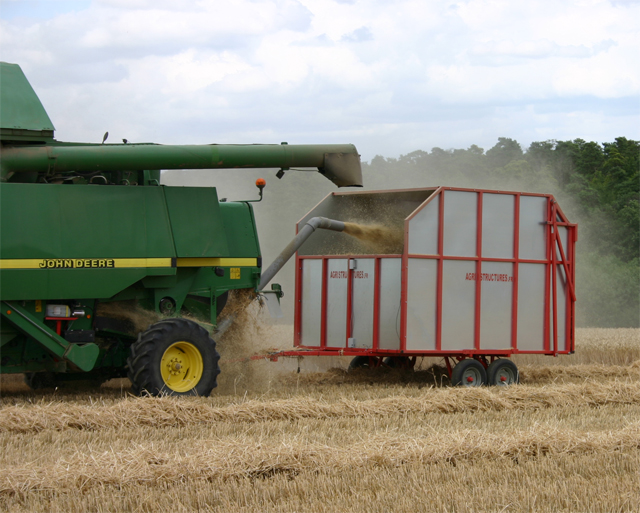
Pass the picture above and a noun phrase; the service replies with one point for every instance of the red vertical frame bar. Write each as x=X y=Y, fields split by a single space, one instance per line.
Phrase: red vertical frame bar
x=573 y=239
x=478 y=306
x=554 y=278
x=376 y=304
x=440 y=270
x=547 y=280
x=569 y=287
x=297 y=319
x=323 y=308
x=404 y=278
x=570 y=301
x=516 y=266
x=349 y=300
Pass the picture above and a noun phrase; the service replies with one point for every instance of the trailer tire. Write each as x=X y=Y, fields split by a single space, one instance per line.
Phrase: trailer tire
x=398 y=362
x=360 y=362
x=173 y=357
x=503 y=372
x=469 y=373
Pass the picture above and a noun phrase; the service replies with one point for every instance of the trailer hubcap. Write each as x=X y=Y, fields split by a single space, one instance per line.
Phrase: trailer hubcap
x=471 y=378
x=181 y=366
x=506 y=377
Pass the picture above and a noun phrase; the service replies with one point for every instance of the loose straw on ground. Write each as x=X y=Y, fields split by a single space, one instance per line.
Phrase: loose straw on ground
x=171 y=412
x=238 y=458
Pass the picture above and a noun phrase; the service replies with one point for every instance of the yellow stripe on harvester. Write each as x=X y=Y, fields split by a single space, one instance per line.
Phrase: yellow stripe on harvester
x=84 y=263
x=122 y=263
x=213 y=262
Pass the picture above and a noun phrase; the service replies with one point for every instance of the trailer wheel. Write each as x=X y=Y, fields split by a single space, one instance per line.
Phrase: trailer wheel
x=469 y=373
x=363 y=362
x=398 y=362
x=174 y=357
x=503 y=372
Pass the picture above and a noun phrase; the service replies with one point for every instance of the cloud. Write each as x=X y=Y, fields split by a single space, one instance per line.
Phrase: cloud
x=390 y=76
x=321 y=40
x=358 y=35
x=510 y=52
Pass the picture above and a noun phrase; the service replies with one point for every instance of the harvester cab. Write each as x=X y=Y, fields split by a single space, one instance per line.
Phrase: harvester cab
x=98 y=260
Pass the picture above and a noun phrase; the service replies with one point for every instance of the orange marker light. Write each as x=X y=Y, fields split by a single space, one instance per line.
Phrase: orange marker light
x=261 y=183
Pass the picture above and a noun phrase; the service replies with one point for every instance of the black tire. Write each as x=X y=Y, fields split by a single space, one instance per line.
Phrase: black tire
x=503 y=372
x=40 y=380
x=360 y=362
x=221 y=302
x=171 y=337
x=469 y=373
x=398 y=362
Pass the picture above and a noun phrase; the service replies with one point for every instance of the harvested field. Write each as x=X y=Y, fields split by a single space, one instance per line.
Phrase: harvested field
x=566 y=439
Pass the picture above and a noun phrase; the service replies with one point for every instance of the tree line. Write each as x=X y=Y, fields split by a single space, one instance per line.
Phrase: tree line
x=597 y=185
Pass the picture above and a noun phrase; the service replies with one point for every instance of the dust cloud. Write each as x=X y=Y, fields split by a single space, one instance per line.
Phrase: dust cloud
x=135 y=319
x=251 y=334
x=254 y=334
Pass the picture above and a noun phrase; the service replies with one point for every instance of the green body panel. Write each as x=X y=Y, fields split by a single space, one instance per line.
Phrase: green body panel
x=198 y=227
x=242 y=237
x=63 y=221
x=21 y=107
x=54 y=284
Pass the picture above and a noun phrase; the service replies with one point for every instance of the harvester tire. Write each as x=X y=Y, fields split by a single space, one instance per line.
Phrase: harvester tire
x=173 y=357
x=503 y=372
x=469 y=373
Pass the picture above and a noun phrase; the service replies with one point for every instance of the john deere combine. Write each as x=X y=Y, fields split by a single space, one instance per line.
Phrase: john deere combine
x=92 y=246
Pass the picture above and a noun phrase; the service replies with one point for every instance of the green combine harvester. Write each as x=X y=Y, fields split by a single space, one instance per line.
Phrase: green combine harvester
x=92 y=246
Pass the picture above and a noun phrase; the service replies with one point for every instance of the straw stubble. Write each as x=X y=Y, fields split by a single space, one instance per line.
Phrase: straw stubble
x=567 y=439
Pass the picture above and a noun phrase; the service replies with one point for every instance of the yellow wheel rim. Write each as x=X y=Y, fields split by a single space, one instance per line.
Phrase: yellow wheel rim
x=181 y=366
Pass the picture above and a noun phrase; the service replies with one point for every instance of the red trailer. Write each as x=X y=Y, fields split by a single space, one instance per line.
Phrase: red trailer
x=481 y=275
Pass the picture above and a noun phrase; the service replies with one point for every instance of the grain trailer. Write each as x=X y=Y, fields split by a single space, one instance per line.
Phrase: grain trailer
x=478 y=276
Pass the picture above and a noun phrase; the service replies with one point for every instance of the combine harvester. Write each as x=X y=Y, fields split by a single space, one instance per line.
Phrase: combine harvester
x=89 y=237
x=473 y=276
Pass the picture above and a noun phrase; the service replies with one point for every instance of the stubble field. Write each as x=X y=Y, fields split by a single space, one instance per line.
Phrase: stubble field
x=271 y=439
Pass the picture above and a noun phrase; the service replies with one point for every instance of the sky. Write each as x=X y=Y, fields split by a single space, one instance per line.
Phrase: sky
x=390 y=77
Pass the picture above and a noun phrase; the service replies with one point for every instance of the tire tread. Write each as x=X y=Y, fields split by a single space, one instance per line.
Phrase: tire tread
x=140 y=369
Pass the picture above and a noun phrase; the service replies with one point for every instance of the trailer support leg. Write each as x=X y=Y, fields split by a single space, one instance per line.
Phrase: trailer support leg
x=449 y=367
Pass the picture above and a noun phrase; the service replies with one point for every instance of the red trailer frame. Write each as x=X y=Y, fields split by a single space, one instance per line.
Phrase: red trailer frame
x=556 y=255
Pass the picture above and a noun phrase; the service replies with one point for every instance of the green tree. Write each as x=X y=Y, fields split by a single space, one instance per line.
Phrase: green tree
x=505 y=151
